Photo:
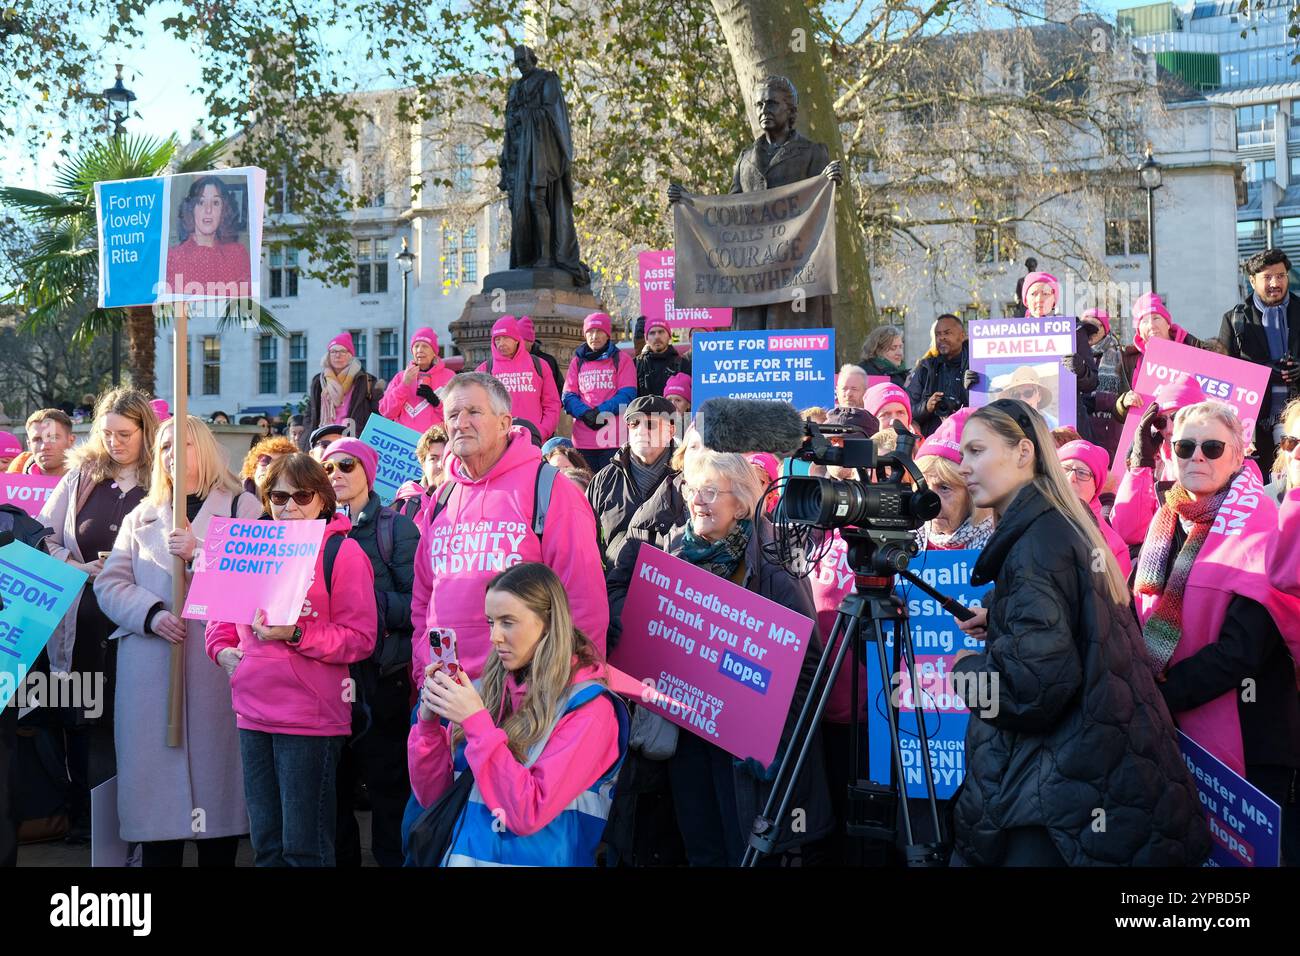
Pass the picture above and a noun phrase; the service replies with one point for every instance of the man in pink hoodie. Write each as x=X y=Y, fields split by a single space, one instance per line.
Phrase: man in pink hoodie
x=600 y=383
x=485 y=525
x=411 y=398
x=531 y=387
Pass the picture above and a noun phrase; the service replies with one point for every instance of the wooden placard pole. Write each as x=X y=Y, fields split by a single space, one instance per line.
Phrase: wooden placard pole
x=180 y=435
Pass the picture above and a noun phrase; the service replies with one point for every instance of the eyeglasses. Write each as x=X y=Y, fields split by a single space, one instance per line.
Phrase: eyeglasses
x=344 y=465
x=1079 y=474
x=1212 y=449
x=336 y=352
x=1288 y=443
x=301 y=498
x=706 y=495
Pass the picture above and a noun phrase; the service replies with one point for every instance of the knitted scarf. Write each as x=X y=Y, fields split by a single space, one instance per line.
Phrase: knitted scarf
x=1165 y=625
x=334 y=386
x=968 y=536
x=879 y=365
x=1110 y=366
x=718 y=557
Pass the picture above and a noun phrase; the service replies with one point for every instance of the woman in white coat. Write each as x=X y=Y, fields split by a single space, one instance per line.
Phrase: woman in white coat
x=167 y=795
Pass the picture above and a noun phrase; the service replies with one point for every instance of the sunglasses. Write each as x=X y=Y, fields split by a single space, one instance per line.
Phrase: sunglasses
x=1213 y=449
x=1288 y=443
x=344 y=465
x=1025 y=392
x=301 y=498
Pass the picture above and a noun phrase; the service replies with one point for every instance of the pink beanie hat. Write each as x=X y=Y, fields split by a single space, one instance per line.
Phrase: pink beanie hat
x=159 y=406
x=344 y=341
x=946 y=440
x=508 y=326
x=1149 y=304
x=10 y=446
x=679 y=384
x=1094 y=456
x=1035 y=277
x=767 y=462
x=878 y=396
x=526 y=329
x=657 y=324
x=1179 y=393
x=427 y=336
x=1100 y=316
x=599 y=321
x=359 y=450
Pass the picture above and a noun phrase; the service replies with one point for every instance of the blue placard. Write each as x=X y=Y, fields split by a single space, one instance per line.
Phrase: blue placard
x=936 y=639
x=37 y=591
x=396 y=447
x=795 y=366
x=132 y=222
x=1245 y=825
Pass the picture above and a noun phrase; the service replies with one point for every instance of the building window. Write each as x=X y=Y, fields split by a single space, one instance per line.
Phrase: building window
x=996 y=243
x=372 y=266
x=211 y=365
x=450 y=257
x=372 y=180
x=1126 y=226
x=268 y=365
x=463 y=174
x=279 y=195
x=284 y=273
x=1255 y=124
x=389 y=354
x=972 y=311
x=298 y=362
x=469 y=255
x=359 y=340
x=1258 y=172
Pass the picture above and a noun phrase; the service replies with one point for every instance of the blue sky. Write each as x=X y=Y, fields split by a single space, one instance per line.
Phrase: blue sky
x=163 y=73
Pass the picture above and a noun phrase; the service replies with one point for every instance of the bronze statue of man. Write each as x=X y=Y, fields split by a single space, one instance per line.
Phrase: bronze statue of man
x=780 y=155
x=535 y=172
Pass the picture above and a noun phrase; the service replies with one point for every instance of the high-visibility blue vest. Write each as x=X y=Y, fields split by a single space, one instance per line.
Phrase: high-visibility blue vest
x=568 y=840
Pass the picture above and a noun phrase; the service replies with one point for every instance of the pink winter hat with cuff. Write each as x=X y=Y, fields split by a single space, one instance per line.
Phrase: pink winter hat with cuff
x=679 y=385
x=427 y=336
x=344 y=341
x=1100 y=316
x=1094 y=456
x=359 y=450
x=946 y=440
x=10 y=446
x=878 y=396
x=1179 y=393
x=1033 y=278
x=598 y=321
x=508 y=326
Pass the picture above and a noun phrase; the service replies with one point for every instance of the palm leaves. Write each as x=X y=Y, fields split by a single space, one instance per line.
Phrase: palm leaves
x=60 y=272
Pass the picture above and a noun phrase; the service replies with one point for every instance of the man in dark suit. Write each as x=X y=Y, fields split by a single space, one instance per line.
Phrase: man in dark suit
x=1265 y=329
x=780 y=156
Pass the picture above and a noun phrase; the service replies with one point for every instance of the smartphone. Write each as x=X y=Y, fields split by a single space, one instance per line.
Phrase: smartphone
x=442 y=642
x=103 y=555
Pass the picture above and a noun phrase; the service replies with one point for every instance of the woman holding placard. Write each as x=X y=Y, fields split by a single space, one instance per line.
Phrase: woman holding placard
x=167 y=795
x=1222 y=645
x=1071 y=757
x=290 y=684
x=716 y=796
x=343 y=392
x=108 y=475
x=542 y=737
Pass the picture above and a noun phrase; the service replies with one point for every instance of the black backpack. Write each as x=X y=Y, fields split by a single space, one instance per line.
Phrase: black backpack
x=543 y=484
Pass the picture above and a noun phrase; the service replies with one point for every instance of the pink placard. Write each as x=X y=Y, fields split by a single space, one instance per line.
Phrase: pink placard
x=658 y=269
x=27 y=491
x=722 y=660
x=246 y=565
x=1237 y=383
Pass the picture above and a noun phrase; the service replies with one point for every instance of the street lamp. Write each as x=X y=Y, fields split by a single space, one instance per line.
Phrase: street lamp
x=1149 y=178
x=406 y=260
x=117 y=103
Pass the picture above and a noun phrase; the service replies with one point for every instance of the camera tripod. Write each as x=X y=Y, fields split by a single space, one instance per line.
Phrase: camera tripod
x=877 y=561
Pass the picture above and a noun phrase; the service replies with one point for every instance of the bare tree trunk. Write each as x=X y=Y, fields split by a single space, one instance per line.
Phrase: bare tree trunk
x=140 y=347
x=767 y=37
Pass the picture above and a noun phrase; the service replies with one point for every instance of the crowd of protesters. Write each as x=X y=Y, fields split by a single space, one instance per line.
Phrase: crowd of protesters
x=1110 y=622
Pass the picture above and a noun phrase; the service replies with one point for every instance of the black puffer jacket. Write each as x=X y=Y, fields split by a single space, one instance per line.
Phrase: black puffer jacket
x=393 y=582
x=615 y=498
x=655 y=522
x=654 y=369
x=1077 y=725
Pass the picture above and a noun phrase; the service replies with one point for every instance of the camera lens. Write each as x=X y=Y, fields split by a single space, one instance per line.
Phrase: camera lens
x=840 y=504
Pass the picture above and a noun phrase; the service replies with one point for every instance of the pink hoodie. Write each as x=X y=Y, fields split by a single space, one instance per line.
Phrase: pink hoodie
x=595 y=382
x=402 y=405
x=532 y=396
x=281 y=688
x=832 y=580
x=485 y=528
x=1234 y=560
x=581 y=749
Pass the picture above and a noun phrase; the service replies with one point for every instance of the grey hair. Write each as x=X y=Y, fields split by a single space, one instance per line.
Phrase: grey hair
x=735 y=468
x=850 y=368
x=781 y=83
x=498 y=396
x=1214 y=412
x=879 y=339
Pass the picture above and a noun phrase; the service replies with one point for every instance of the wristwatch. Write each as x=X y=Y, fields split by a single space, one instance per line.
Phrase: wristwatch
x=297 y=635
